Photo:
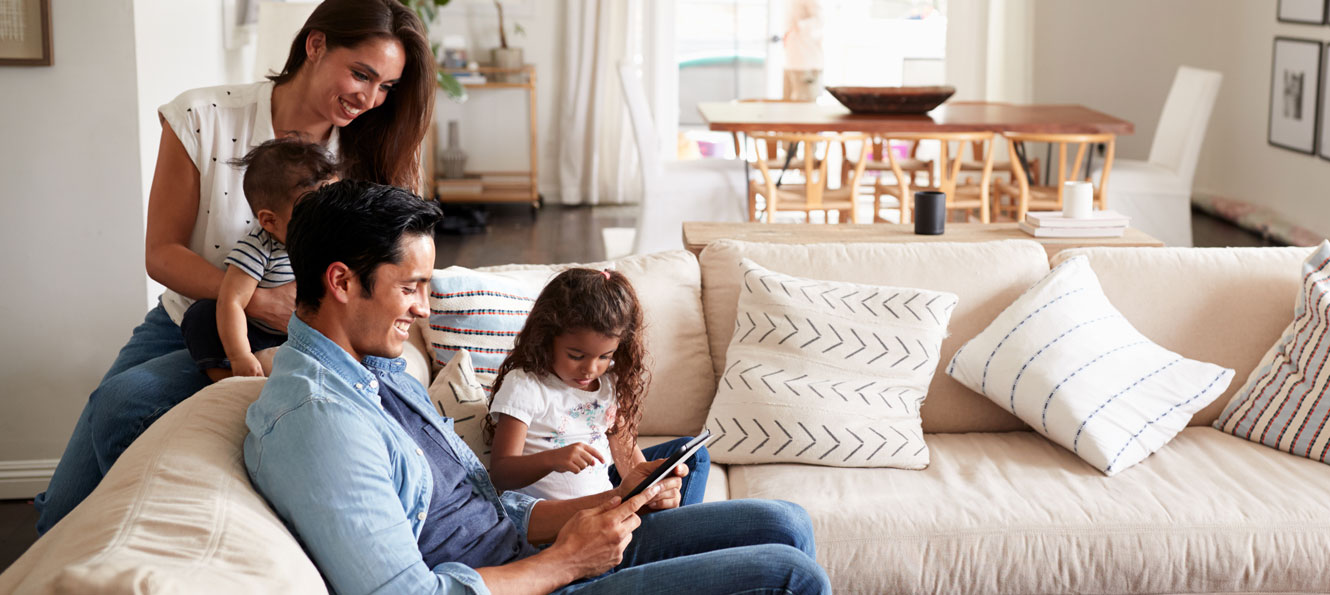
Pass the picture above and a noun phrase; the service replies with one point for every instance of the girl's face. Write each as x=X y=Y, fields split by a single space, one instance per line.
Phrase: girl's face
x=582 y=356
x=348 y=81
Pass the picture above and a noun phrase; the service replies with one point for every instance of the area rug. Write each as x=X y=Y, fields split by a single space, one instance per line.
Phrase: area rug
x=1257 y=219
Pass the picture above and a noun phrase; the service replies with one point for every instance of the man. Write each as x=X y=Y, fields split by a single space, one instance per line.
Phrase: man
x=386 y=498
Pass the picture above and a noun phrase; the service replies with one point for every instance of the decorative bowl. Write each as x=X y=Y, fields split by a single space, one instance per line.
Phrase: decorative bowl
x=891 y=100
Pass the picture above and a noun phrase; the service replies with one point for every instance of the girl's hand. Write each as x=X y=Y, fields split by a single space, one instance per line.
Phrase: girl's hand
x=671 y=487
x=246 y=365
x=273 y=306
x=573 y=458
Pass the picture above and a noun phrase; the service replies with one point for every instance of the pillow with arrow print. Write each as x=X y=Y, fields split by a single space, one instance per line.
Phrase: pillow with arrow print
x=827 y=373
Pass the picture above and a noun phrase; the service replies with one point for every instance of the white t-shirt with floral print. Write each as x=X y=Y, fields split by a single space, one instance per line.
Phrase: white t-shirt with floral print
x=557 y=415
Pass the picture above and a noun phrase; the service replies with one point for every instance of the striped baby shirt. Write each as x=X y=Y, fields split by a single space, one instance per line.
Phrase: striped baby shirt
x=262 y=257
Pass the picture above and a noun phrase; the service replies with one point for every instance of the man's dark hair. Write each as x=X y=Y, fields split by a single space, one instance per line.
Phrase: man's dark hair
x=278 y=171
x=359 y=224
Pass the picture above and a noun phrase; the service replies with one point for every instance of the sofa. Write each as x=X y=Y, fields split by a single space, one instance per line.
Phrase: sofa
x=998 y=509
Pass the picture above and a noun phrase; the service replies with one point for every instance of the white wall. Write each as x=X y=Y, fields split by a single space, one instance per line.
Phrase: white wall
x=1120 y=57
x=493 y=123
x=71 y=225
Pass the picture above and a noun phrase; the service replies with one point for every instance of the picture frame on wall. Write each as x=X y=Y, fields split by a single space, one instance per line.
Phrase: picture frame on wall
x=25 y=33
x=1310 y=12
x=1295 y=89
x=1323 y=141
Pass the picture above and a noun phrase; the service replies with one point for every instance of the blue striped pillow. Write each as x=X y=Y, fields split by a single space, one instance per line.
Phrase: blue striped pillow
x=477 y=312
x=1284 y=404
x=1067 y=363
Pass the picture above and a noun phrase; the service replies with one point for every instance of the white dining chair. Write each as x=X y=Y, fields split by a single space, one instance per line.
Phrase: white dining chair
x=675 y=191
x=1156 y=193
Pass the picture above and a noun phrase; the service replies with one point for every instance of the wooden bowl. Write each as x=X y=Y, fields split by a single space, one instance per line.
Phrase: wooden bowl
x=891 y=100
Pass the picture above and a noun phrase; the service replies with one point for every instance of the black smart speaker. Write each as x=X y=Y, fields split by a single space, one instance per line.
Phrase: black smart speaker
x=930 y=212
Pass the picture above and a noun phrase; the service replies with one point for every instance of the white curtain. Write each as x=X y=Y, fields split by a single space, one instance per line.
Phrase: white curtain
x=597 y=160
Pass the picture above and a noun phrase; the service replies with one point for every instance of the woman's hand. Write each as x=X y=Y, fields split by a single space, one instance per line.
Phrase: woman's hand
x=274 y=306
x=573 y=458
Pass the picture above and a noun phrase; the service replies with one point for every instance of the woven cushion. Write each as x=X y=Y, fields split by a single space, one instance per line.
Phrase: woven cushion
x=1283 y=403
x=457 y=394
x=478 y=312
x=1065 y=361
x=827 y=373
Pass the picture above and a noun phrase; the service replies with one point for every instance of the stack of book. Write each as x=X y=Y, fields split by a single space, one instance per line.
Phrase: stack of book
x=1051 y=224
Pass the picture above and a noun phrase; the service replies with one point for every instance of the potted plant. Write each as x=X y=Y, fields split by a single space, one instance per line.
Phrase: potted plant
x=504 y=56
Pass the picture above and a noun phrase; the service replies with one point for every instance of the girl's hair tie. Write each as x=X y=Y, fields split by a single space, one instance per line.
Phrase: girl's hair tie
x=606 y=273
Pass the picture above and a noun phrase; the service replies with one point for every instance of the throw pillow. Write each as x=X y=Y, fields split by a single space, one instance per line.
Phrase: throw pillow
x=456 y=393
x=827 y=373
x=1283 y=403
x=1066 y=362
x=479 y=312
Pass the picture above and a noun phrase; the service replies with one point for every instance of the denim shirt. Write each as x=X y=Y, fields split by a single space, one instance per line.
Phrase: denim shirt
x=346 y=478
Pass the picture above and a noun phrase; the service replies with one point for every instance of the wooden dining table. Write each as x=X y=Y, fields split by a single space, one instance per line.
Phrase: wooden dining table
x=953 y=116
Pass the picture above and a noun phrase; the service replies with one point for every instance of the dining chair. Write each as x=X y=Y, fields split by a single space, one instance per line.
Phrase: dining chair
x=810 y=191
x=675 y=191
x=911 y=165
x=1156 y=193
x=962 y=194
x=1020 y=195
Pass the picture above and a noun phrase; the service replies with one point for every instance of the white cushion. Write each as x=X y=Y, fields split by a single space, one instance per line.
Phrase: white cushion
x=1063 y=359
x=827 y=373
x=456 y=393
x=1013 y=513
x=1283 y=403
x=986 y=276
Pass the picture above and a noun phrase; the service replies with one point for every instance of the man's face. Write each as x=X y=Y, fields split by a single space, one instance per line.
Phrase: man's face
x=379 y=324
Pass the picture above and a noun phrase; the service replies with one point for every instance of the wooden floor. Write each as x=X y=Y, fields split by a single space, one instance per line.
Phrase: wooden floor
x=556 y=234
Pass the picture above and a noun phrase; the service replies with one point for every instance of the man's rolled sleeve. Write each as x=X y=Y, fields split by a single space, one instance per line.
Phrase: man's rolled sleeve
x=518 y=508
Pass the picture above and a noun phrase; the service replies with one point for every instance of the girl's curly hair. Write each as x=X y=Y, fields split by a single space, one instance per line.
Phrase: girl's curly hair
x=576 y=299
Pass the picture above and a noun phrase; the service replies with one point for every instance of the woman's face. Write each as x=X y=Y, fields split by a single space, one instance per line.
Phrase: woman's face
x=347 y=81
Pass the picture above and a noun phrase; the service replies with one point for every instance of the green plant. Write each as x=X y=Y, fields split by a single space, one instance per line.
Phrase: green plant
x=427 y=10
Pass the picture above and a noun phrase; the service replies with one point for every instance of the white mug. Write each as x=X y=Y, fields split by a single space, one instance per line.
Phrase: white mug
x=1077 y=200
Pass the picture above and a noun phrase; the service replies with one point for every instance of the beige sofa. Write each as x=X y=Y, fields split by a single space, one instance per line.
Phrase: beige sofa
x=998 y=510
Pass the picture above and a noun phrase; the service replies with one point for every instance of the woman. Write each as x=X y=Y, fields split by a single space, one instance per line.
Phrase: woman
x=360 y=80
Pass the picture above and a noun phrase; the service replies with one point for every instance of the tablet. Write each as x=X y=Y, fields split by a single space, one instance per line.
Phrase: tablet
x=675 y=460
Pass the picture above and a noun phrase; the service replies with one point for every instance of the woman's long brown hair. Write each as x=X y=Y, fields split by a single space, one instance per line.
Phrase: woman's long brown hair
x=383 y=144
x=578 y=299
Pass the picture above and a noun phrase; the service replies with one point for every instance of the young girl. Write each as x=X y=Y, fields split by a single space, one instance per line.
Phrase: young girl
x=568 y=397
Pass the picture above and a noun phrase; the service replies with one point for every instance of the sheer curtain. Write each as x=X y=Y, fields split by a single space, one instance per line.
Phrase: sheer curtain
x=597 y=161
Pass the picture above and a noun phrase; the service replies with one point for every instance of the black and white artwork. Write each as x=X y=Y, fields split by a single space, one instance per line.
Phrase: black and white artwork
x=1295 y=84
x=1311 y=12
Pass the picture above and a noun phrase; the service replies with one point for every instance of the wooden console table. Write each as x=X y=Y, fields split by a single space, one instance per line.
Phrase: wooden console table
x=696 y=235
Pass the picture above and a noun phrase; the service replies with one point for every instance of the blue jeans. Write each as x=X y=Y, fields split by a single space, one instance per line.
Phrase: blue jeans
x=694 y=484
x=152 y=373
x=737 y=546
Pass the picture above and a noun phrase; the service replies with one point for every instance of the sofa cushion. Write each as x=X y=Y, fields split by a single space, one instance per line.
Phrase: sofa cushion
x=479 y=313
x=1014 y=513
x=176 y=514
x=986 y=277
x=456 y=393
x=827 y=373
x=668 y=285
x=1064 y=360
x=1225 y=306
x=1283 y=403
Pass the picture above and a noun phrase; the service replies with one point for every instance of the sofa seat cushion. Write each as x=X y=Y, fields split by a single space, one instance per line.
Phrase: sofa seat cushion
x=176 y=514
x=1015 y=513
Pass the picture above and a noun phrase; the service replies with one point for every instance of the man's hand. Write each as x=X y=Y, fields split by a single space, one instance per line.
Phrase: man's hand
x=246 y=365
x=274 y=306
x=594 y=539
x=572 y=458
x=670 y=494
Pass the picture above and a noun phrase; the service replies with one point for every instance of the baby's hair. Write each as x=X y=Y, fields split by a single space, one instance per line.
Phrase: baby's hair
x=577 y=299
x=280 y=170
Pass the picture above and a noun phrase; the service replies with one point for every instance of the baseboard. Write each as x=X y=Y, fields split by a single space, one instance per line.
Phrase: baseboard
x=21 y=480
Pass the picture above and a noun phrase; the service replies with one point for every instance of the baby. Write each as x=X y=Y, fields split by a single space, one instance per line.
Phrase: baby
x=222 y=341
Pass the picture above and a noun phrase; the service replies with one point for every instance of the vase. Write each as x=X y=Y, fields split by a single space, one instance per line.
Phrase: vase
x=452 y=160
x=508 y=58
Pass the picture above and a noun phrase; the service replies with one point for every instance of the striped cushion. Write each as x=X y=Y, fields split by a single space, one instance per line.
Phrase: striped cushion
x=1067 y=363
x=479 y=312
x=1283 y=404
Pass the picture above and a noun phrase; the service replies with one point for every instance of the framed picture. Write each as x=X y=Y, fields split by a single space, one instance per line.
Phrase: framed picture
x=1295 y=85
x=1311 y=12
x=25 y=33
x=1324 y=136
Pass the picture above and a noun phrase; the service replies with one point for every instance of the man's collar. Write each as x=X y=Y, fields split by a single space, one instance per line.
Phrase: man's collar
x=335 y=357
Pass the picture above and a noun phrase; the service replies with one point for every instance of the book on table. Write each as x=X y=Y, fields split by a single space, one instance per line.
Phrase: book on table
x=1073 y=232
x=1055 y=219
